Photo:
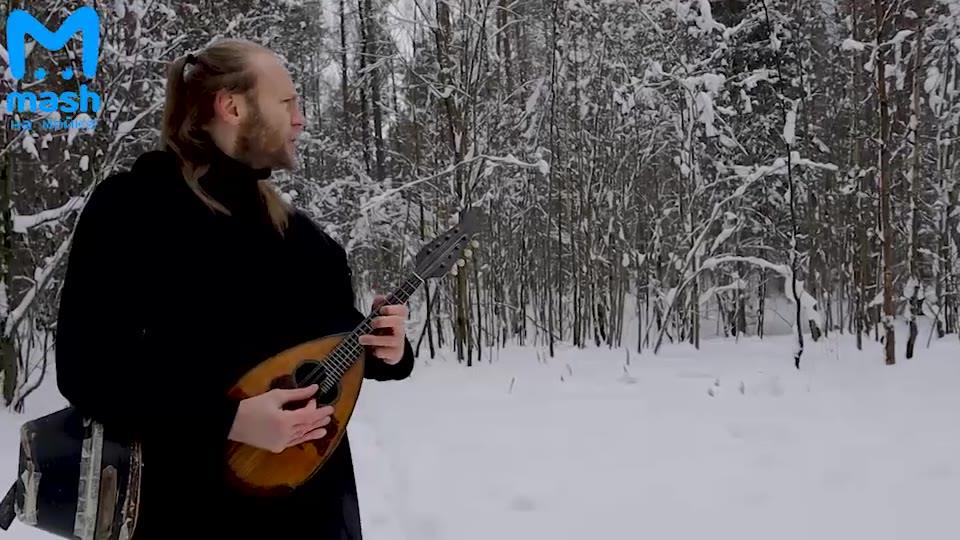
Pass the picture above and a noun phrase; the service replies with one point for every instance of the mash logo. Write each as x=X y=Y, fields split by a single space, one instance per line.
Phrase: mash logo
x=21 y=24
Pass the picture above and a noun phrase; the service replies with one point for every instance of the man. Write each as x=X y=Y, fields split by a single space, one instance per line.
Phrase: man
x=188 y=270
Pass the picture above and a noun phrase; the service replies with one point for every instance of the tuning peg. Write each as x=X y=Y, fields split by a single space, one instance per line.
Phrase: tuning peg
x=475 y=244
x=467 y=253
x=462 y=262
x=453 y=271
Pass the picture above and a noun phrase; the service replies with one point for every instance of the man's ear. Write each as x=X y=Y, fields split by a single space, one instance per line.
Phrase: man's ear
x=230 y=108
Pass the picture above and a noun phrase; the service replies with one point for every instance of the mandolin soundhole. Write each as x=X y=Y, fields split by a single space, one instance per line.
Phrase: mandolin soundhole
x=287 y=382
x=316 y=372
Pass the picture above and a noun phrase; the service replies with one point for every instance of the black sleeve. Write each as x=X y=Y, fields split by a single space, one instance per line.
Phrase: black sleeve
x=379 y=370
x=374 y=368
x=103 y=367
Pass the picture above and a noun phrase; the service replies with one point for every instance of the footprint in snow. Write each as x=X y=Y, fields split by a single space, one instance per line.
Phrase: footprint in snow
x=522 y=503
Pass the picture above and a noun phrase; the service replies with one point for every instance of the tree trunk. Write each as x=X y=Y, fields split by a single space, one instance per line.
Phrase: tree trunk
x=8 y=354
x=372 y=41
x=364 y=119
x=914 y=136
x=344 y=76
x=886 y=231
x=552 y=207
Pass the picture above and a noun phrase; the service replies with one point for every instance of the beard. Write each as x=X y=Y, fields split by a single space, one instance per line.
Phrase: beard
x=263 y=145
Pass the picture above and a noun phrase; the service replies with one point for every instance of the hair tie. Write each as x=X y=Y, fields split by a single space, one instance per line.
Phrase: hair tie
x=189 y=64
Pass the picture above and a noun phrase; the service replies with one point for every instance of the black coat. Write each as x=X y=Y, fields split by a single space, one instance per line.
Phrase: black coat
x=166 y=304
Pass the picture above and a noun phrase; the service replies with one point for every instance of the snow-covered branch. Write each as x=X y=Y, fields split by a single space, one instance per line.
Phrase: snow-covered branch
x=23 y=222
x=125 y=127
x=509 y=160
x=41 y=278
x=808 y=303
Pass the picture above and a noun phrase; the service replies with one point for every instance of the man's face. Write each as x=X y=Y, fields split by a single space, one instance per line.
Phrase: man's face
x=267 y=133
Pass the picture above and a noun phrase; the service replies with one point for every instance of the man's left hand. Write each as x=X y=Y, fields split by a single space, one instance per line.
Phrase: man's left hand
x=387 y=343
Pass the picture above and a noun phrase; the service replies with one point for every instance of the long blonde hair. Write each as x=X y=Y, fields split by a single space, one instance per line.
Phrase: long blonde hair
x=223 y=65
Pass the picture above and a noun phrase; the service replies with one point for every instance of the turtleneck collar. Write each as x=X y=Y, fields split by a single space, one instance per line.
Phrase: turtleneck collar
x=234 y=184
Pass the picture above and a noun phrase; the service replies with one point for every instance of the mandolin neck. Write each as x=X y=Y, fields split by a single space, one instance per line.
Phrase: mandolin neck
x=344 y=355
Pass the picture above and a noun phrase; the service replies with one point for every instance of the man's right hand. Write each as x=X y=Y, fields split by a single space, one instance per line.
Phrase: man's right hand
x=262 y=422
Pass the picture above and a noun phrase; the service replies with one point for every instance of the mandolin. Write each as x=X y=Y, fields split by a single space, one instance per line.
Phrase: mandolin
x=80 y=479
x=335 y=363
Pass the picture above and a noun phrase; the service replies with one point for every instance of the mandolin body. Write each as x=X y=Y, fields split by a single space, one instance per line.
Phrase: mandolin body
x=256 y=471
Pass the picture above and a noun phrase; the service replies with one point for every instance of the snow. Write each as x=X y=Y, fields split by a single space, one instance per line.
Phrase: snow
x=30 y=145
x=747 y=105
x=808 y=303
x=706 y=21
x=729 y=442
x=512 y=161
x=74 y=129
x=124 y=128
x=713 y=82
x=705 y=104
x=592 y=456
x=931 y=85
x=775 y=42
x=40 y=276
x=804 y=162
x=899 y=38
x=22 y=223
x=724 y=235
x=763 y=74
x=851 y=44
x=790 y=125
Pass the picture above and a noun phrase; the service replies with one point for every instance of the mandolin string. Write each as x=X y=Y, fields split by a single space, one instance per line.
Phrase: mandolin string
x=342 y=357
x=345 y=354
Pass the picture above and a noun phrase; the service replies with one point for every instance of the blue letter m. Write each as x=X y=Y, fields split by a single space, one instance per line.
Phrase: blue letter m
x=85 y=20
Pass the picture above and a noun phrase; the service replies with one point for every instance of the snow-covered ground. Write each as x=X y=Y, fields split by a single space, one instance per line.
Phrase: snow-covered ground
x=729 y=442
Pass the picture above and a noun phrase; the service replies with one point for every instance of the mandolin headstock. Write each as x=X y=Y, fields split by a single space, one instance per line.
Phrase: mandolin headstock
x=444 y=254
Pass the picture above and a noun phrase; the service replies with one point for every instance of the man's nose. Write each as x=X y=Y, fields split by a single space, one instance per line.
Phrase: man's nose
x=298 y=120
